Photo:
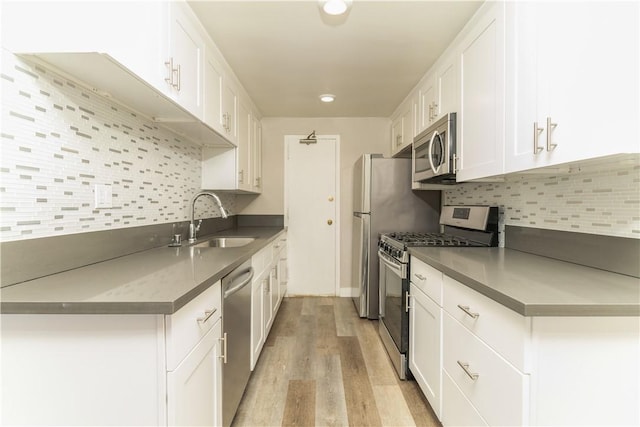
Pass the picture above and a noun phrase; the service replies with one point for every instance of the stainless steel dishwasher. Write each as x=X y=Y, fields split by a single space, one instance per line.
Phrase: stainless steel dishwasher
x=236 y=324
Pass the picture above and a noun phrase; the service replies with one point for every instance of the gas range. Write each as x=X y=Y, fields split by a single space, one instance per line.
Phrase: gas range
x=470 y=226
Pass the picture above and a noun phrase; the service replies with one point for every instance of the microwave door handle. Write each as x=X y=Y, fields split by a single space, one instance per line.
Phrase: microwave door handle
x=433 y=168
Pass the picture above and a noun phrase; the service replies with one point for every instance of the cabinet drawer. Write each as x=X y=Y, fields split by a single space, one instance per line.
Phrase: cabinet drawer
x=427 y=279
x=502 y=329
x=499 y=391
x=187 y=326
x=456 y=408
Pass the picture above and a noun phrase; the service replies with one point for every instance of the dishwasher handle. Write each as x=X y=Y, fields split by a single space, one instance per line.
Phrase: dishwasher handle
x=242 y=284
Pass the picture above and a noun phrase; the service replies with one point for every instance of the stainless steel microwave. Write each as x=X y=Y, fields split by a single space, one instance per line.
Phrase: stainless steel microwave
x=434 y=152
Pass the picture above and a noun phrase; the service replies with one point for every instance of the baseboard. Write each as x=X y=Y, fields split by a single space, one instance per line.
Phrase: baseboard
x=348 y=292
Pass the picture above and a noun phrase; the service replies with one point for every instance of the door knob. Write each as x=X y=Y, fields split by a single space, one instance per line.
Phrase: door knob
x=330 y=199
x=329 y=221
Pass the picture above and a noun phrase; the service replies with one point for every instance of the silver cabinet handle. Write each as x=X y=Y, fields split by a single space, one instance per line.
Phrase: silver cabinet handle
x=465 y=368
x=465 y=308
x=435 y=110
x=398 y=140
x=178 y=84
x=241 y=176
x=224 y=348
x=172 y=71
x=406 y=300
x=169 y=64
x=550 y=128
x=536 y=135
x=207 y=315
x=420 y=276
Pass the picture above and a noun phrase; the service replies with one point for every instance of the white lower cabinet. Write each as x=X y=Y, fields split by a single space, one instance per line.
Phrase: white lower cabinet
x=257 y=320
x=85 y=369
x=457 y=410
x=194 y=388
x=498 y=390
x=425 y=346
x=268 y=289
x=501 y=368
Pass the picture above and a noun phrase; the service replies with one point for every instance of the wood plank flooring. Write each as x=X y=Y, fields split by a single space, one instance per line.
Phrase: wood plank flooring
x=324 y=366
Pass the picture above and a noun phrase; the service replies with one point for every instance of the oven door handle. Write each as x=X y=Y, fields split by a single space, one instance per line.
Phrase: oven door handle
x=398 y=268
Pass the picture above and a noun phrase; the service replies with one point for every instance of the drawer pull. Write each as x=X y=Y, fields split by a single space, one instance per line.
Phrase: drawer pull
x=465 y=308
x=465 y=368
x=207 y=315
x=224 y=348
x=420 y=276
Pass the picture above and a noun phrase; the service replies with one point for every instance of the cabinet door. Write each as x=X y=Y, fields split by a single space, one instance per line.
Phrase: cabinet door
x=481 y=138
x=257 y=320
x=559 y=59
x=425 y=346
x=243 y=158
x=396 y=134
x=194 y=388
x=256 y=155
x=185 y=59
x=447 y=81
x=588 y=76
x=230 y=110
x=213 y=92
x=268 y=307
x=427 y=100
x=274 y=287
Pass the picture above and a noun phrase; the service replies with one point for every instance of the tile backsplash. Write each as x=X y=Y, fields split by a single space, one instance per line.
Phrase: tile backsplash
x=60 y=139
x=601 y=201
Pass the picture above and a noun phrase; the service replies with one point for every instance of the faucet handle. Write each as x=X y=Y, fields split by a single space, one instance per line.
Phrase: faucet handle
x=198 y=226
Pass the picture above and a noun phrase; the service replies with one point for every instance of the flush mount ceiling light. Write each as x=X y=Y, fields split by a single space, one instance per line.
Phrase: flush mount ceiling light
x=335 y=7
x=327 y=97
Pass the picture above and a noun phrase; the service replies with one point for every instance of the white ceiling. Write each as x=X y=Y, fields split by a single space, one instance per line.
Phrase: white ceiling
x=287 y=53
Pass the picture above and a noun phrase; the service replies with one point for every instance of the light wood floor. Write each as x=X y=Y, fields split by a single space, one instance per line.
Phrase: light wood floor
x=322 y=365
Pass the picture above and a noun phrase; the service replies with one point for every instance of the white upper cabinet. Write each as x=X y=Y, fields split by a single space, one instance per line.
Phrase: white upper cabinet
x=184 y=59
x=244 y=147
x=160 y=62
x=438 y=93
x=402 y=127
x=446 y=85
x=220 y=100
x=256 y=154
x=480 y=140
x=573 y=82
x=427 y=101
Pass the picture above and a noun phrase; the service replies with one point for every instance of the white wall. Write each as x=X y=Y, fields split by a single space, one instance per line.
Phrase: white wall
x=357 y=136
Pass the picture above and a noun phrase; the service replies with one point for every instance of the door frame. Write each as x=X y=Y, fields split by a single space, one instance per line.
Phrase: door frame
x=337 y=222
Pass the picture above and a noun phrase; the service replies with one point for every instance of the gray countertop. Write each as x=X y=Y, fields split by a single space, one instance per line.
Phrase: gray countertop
x=155 y=281
x=533 y=285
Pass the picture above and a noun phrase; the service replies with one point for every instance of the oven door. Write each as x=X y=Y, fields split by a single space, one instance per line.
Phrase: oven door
x=394 y=283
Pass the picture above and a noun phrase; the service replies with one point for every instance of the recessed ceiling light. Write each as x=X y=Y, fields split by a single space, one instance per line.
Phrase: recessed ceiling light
x=335 y=7
x=327 y=97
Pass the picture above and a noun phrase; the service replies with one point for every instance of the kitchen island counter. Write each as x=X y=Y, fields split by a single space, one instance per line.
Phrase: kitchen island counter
x=154 y=281
x=533 y=285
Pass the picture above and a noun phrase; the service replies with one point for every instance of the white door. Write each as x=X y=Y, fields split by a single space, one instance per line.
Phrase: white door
x=311 y=215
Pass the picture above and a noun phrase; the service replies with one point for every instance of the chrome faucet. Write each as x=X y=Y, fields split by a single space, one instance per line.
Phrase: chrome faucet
x=193 y=229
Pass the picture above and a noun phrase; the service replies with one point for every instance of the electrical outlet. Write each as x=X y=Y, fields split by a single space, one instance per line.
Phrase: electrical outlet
x=103 y=196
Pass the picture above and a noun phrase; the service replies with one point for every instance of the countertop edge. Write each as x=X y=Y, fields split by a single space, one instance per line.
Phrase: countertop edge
x=533 y=310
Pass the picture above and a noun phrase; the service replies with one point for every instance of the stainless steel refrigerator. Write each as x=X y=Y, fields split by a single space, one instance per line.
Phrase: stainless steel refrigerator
x=383 y=202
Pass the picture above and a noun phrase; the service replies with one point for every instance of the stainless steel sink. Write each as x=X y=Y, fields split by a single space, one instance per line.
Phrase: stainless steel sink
x=225 y=242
